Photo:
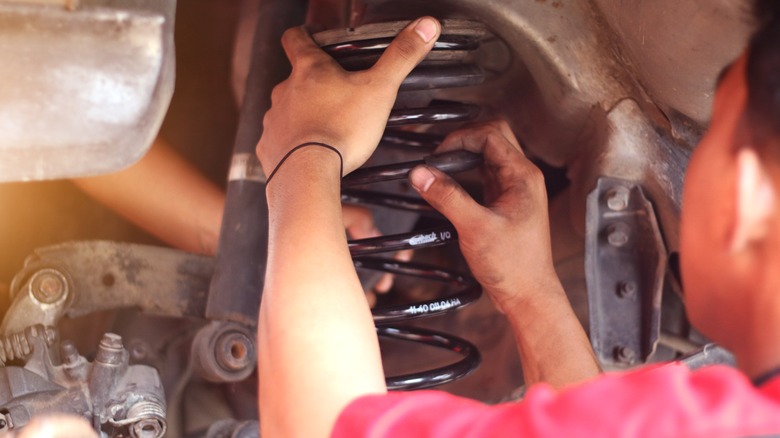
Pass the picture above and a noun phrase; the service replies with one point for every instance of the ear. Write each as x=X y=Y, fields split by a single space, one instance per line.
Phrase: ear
x=755 y=203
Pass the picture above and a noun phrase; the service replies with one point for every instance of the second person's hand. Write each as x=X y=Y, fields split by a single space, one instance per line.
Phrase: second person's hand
x=506 y=242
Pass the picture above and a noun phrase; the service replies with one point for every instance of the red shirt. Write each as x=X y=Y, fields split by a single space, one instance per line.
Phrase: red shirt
x=665 y=401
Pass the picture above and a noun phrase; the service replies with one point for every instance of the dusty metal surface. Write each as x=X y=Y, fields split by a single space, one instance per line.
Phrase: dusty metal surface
x=108 y=275
x=84 y=89
x=625 y=262
x=117 y=398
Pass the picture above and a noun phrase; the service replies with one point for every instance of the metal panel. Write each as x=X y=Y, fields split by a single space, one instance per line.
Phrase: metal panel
x=83 y=91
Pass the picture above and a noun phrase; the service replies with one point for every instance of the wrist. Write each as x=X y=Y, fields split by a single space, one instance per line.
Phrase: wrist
x=524 y=296
x=307 y=161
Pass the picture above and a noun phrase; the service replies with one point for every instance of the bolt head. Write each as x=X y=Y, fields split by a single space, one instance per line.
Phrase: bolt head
x=48 y=286
x=139 y=350
x=618 y=234
x=618 y=198
x=625 y=354
x=627 y=289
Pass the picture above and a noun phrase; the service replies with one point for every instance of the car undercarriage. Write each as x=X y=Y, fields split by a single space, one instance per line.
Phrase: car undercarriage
x=102 y=321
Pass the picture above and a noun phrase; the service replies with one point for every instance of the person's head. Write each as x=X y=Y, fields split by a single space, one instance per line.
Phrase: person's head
x=730 y=234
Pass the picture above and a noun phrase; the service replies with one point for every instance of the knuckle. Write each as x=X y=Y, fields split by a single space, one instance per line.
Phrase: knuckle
x=448 y=194
x=288 y=35
x=406 y=49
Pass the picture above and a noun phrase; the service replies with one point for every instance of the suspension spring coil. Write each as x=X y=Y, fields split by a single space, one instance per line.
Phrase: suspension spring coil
x=446 y=66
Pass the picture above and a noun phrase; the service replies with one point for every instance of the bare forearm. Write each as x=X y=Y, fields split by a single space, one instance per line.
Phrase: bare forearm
x=553 y=346
x=317 y=346
x=165 y=196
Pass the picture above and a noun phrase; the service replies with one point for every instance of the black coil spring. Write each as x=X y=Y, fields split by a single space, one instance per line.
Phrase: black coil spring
x=445 y=67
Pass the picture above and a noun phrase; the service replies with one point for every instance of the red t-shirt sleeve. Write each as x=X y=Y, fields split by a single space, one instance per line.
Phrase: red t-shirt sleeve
x=667 y=401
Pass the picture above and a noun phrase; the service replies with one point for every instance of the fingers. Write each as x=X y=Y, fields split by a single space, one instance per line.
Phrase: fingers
x=446 y=196
x=407 y=50
x=475 y=138
x=386 y=281
x=359 y=222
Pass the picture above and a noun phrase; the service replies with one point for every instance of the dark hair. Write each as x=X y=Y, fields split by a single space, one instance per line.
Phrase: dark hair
x=763 y=74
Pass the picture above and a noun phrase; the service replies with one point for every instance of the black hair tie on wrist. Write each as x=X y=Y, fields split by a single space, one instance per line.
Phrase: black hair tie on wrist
x=301 y=146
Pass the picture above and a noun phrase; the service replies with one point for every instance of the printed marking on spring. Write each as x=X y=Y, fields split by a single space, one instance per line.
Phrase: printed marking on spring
x=438 y=306
x=422 y=239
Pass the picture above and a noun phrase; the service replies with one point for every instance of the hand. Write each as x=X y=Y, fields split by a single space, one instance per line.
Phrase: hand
x=321 y=102
x=359 y=223
x=507 y=242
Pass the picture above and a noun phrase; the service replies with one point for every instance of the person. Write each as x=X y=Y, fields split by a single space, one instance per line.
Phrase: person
x=319 y=365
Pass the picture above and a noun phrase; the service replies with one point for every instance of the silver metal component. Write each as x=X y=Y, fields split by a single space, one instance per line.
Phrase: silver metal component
x=90 y=85
x=625 y=265
x=102 y=391
x=246 y=167
x=20 y=345
x=627 y=289
x=68 y=352
x=617 y=198
x=617 y=234
x=148 y=419
x=110 y=275
x=110 y=351
x=49 y=286
x=625 y=355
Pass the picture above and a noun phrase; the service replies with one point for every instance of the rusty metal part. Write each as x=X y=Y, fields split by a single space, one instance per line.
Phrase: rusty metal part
x=224 y=351
x=109 y=275
x=49 y=286
x=119 y=399
x=625 y=264
x=19 y=345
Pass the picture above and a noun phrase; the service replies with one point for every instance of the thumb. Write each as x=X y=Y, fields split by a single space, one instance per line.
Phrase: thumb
x=407 y=49
x=446 y=196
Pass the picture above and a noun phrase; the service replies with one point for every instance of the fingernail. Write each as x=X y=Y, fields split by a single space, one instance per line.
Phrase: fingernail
x=426 y=28
x=421 y=178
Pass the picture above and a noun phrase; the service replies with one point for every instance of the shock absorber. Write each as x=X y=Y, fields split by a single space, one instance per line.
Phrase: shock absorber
x=448 y=65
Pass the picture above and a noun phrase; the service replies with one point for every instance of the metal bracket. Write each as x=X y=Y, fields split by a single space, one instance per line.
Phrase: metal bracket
x=625 y=262
x=79 y=278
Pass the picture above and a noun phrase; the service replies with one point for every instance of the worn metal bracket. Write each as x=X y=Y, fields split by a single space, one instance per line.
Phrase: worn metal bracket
x=625 y=263
x=78 y=278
